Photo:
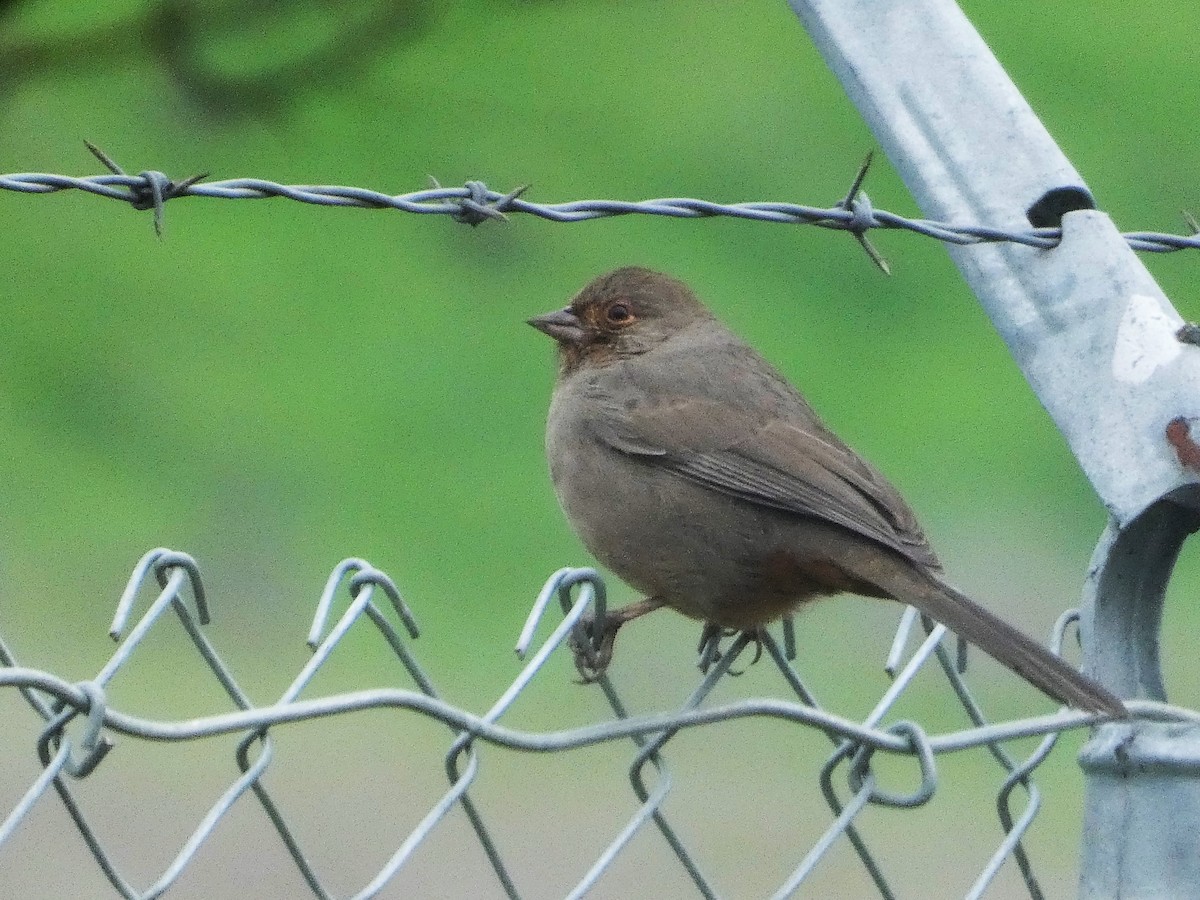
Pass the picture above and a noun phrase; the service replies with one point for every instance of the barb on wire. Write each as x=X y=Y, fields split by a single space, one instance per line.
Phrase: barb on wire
x=477 y=207
x=155 y=189
x=475 y=203
x=858 y=204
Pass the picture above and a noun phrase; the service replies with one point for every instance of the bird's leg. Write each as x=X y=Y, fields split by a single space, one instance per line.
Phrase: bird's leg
x=710 y=644
x=592 y=641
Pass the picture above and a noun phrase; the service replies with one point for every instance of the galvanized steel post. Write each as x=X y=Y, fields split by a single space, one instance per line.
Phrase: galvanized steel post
x=1100 y=345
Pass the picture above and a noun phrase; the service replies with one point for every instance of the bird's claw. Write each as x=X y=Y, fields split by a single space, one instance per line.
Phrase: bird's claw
x=593 y=656
x=710 y=645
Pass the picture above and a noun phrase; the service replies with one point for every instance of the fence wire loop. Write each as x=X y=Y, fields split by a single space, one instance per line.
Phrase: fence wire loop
x=369 y=575
x=560 y=585
x=1058 y=633
x=162 y=561
x=163 y=569
x=362 y=575
x=93 y=745
x=919 y=746
x=325 y=602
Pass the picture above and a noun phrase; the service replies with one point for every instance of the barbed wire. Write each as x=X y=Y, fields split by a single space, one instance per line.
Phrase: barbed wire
x=846 y=779
x=475 y=203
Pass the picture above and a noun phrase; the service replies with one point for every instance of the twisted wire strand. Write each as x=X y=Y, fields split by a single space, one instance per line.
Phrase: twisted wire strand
x=475 y=203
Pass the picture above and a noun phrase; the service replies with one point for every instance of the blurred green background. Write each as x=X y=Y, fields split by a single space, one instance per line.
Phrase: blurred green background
x=274 y=387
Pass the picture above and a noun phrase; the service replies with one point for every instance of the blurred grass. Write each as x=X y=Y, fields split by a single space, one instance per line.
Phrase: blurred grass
x=274 y=386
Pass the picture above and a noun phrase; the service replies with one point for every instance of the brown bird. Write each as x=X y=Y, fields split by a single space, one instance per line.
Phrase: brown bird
x=693 y=470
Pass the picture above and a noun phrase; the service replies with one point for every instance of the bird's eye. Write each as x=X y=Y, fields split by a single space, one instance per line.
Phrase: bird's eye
x=619 y=314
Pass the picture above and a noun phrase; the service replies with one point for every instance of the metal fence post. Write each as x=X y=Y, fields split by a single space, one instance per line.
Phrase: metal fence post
x=1101 y=346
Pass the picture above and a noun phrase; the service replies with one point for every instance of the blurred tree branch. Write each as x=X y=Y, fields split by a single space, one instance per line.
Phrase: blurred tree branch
x=221 y=55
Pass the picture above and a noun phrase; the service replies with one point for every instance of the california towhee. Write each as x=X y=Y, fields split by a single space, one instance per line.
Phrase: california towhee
x=691 y=468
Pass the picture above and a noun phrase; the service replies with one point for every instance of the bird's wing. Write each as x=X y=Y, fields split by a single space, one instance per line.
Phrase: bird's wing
x=789 y=464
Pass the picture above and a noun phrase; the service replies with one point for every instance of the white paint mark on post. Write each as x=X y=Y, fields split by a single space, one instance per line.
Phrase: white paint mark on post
x=1146 y=339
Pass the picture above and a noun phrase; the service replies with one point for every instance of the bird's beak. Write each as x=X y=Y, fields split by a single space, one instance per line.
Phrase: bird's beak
x=562 y=325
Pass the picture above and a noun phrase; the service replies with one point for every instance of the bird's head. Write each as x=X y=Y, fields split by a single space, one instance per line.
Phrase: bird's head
x=622 y=314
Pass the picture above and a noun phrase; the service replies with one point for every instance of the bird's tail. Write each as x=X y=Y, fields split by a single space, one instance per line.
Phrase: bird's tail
x=1004 y=643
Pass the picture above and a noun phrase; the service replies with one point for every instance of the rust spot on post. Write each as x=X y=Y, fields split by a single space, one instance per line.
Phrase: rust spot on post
x=1179 y=436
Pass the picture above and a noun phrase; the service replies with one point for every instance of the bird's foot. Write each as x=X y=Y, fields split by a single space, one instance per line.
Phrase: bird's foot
x=592 y=639
x=593 y=651
x=710 y=645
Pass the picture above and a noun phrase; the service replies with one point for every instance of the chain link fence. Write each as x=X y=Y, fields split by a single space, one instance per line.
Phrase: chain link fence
x=77 y=719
